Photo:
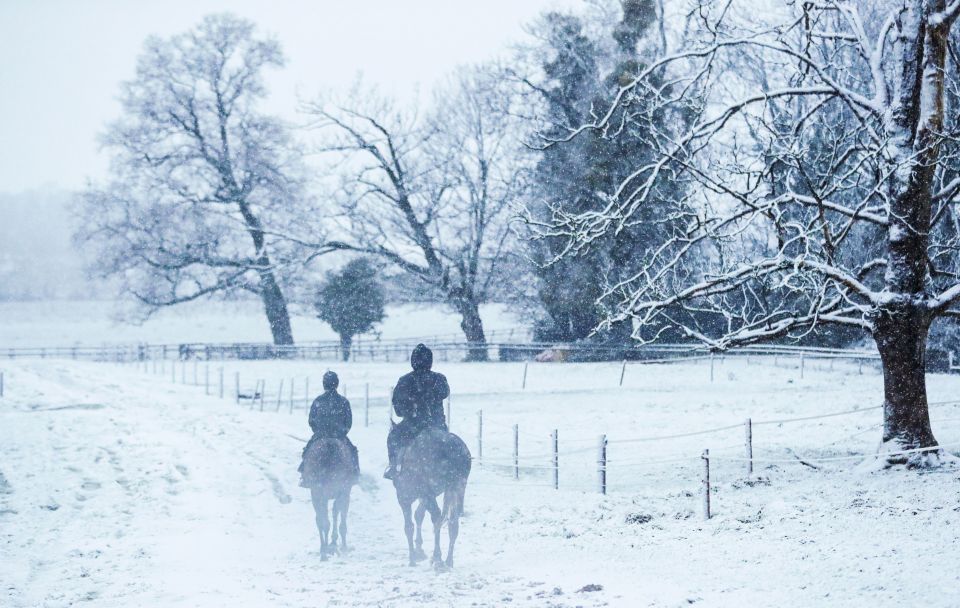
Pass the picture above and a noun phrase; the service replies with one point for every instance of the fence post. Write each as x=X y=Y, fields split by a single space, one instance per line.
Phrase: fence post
x=802 y=364
x=366 y=404
x=449 y=421
x=516 y=451
x=196 y=380
x=279 y=394
x=860 y=366
x=263 y=390
x=183 y=372
x=623 y=371
x=602 y=465
x=748 y=428
x=292 y=384
x=556 y=460
x=236 y=378
x=706 y=484
x=306 y=393
x=480 y=437
x=173 y=372
x=206 y=379
x=1 y=384
x=711 y=367
x=525 y=364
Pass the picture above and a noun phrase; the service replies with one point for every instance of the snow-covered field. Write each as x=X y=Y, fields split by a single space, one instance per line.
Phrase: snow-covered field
x=69 y=323
x=122 y=488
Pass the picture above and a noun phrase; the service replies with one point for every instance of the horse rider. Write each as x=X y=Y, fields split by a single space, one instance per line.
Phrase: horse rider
x=331 y=418
x=418 y=399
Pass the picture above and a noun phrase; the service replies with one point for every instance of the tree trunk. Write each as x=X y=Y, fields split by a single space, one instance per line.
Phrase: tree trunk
x=274 y=303
x=275 y=306
x=346 y=340
x=901 y=336
x=901 y=322
x=472 y=328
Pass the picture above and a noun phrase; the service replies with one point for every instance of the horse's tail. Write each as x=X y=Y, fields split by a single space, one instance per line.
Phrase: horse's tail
x=457 y=470
x=326 y=460
x=453 y=498
x=330 y=457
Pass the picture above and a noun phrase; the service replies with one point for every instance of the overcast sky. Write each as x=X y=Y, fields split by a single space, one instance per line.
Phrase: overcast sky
x=62 y=61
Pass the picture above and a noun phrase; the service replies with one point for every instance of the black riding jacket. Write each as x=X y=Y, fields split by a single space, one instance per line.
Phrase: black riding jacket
x=330 y=416
x=419 y=397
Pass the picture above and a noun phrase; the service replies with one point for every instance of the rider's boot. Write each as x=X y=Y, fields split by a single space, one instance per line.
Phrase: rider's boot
x=392 y=470
x=390 y=473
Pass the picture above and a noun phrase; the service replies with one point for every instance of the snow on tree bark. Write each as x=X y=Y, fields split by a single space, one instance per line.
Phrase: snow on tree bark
x=812 y=177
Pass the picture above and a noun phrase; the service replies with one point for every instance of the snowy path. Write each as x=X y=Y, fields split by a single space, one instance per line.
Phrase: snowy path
x=117 y=489
x=143 y=496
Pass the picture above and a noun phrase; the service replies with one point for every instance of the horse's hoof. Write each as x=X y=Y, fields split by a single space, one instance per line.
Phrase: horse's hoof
x=440 y=566
x=412 y=563
x=419 y=554
x=324 y=557
x=449 y=563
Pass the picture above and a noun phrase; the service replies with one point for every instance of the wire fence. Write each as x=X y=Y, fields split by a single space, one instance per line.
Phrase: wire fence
x=551 y=467
x=511 y=347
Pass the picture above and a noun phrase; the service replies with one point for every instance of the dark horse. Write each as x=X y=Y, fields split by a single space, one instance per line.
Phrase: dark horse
x=436 y=462
x=328 y=472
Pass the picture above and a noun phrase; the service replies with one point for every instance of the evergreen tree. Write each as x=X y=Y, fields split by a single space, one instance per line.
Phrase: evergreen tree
x=581 y=75
x=351 y=301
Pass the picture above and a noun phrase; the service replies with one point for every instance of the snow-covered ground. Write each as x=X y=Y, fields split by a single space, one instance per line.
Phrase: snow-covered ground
x=69 y=323
x=122 y=488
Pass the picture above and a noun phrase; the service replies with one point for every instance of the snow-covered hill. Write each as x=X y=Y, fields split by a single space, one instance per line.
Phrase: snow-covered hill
x=67 y=323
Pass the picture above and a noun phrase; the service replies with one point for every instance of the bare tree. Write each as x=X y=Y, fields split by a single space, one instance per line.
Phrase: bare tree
x=430 y=194
x=824 y=151
x=199 y=177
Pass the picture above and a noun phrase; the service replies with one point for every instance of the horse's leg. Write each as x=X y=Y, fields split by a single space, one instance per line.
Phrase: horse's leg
x=325 y=529
x=344 y=509
x=437 y=519
x=453 y=529
x=334 y=516
x=453 y=514
x=421 y=511
x=320 y=509
x=407 y=507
